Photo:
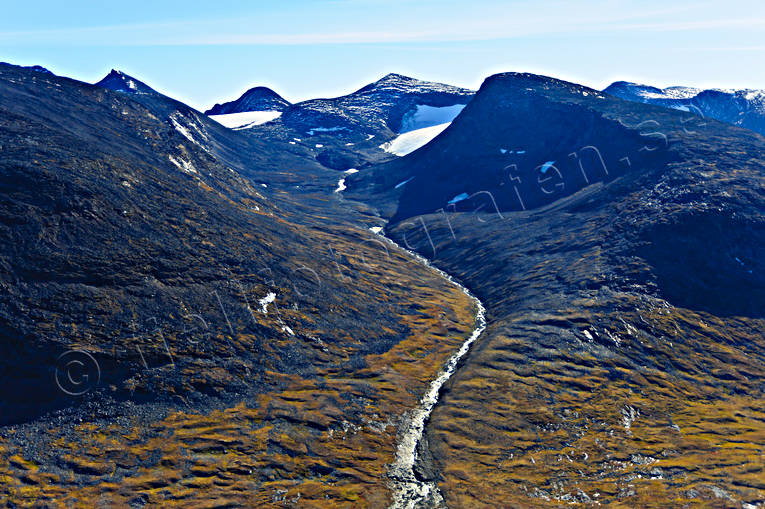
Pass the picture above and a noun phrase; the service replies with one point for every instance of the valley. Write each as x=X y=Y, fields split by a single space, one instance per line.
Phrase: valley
x=415 y=295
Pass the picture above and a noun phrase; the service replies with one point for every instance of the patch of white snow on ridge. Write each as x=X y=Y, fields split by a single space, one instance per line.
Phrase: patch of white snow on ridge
x=246 y=119
x=546 y=166
x=182 y=164
x=670 y=93
x=351 y=171
x=376 y=229
x=405 y=182
x=265 y=301
x=408 y=142
x=181 y=129
x=326 y=130
x=341 y=185
x=429 y=116
x=460 y=197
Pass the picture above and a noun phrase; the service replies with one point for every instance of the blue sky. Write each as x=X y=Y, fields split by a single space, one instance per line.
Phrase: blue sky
x=203 y=52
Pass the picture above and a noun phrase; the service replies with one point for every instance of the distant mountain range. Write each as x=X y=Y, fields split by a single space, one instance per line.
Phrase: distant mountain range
x=743 y=108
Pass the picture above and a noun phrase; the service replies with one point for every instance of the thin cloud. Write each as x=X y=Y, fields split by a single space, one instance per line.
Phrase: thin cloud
x=238 y=32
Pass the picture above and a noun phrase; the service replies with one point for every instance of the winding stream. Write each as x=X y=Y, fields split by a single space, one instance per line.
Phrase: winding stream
x=410 y=492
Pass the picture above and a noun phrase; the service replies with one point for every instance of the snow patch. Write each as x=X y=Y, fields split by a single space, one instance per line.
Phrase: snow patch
x=429 y=116
x=190 y=123
x=351 y=171
x=181 y=129
x=410 y=141
x=460 y=197
x=376 y=229
x=629 y=415
x=246 y=119
x=546 y=166
x=403 y=183
x=341 y=185
x=182 y=164
x=265 y=301
x=326 y=130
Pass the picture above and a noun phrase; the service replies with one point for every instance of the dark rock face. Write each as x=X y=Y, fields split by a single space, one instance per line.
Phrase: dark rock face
x=743 y=108
x=523 y=142
x=255 y=99
x=121 y=82
x=709 y=262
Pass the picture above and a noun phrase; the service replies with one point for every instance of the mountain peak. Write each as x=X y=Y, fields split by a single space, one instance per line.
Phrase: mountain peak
x=255 y=99
x=121 y=82
x=392 y=76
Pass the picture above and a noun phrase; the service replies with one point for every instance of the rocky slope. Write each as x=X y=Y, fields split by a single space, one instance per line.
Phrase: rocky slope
x=743 y=108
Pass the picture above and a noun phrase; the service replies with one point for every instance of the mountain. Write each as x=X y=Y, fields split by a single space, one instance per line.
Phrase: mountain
x=492 y=146
x=121 y=82
x=199 y=316
x=255 y=99
x=166 y=291
x=618 y=259
x=387 y=104
x=743 y=108
x=353 y=130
